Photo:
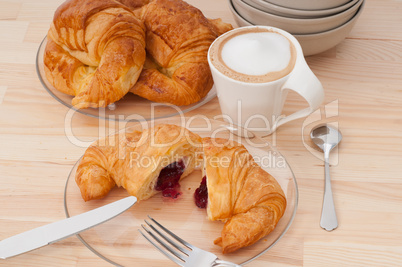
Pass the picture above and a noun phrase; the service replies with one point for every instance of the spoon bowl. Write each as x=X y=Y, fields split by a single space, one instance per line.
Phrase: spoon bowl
x=327 y=135
x=326 y=138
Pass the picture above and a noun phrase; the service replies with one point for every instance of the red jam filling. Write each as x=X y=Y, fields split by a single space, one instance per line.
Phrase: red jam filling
x=201 y=194
x=168 y=179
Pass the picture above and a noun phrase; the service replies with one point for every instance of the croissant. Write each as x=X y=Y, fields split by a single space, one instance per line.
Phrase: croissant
x=95 y=50
x=178 y=36
x=239 y=192
x=143 y=162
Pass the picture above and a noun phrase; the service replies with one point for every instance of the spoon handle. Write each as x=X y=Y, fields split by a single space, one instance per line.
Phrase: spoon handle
x=328 y=215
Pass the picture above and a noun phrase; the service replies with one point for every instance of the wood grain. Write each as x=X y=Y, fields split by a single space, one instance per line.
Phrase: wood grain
x=362 y=77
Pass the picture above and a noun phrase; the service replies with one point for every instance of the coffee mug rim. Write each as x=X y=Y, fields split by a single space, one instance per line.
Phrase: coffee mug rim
x=299 y=52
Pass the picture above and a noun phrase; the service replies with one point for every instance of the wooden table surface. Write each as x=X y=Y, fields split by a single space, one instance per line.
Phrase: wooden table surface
x=362 y=78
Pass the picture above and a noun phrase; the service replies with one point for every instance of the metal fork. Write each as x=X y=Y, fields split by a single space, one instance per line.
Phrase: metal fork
x=178 y=250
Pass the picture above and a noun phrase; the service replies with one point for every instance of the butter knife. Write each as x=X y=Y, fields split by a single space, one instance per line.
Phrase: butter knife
x=57 y=231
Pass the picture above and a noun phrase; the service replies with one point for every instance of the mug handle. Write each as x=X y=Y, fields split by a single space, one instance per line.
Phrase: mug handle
x=306 y=84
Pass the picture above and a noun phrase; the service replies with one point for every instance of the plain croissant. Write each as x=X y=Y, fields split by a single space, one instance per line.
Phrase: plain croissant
x=248 y=199
x=144 y=163
x=178 y=37
x=95 y=50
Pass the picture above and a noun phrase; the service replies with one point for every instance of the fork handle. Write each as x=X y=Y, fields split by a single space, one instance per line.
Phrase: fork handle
x=219 y=262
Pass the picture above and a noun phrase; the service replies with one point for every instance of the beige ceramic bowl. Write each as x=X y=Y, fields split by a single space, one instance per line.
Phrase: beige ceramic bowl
x=313 y=44
x=309 y=4
x=292 y=25
x=297 y=13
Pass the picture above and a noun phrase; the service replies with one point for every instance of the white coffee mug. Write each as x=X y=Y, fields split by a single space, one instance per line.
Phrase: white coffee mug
x=258 y=106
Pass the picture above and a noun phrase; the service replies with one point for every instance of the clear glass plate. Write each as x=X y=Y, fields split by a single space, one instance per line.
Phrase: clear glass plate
x=118 y=240
x=130 y=108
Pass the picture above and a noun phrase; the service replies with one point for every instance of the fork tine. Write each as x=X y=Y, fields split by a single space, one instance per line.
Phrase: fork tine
x=172 y=234
x=170 y=256
x=186 y=252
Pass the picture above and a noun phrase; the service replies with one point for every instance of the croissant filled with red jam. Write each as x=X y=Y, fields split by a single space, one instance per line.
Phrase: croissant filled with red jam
x=143 y=162
x=236 y=190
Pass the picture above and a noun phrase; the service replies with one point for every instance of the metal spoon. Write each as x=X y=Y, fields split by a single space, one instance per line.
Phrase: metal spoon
x=327 y=137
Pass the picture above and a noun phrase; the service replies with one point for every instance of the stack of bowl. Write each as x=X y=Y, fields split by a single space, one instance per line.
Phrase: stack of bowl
x=317 y=25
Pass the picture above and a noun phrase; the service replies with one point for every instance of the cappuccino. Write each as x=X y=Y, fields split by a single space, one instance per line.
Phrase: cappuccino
x=253 y=55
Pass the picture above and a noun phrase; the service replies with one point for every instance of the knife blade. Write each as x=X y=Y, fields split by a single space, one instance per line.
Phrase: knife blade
x=59 y=230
